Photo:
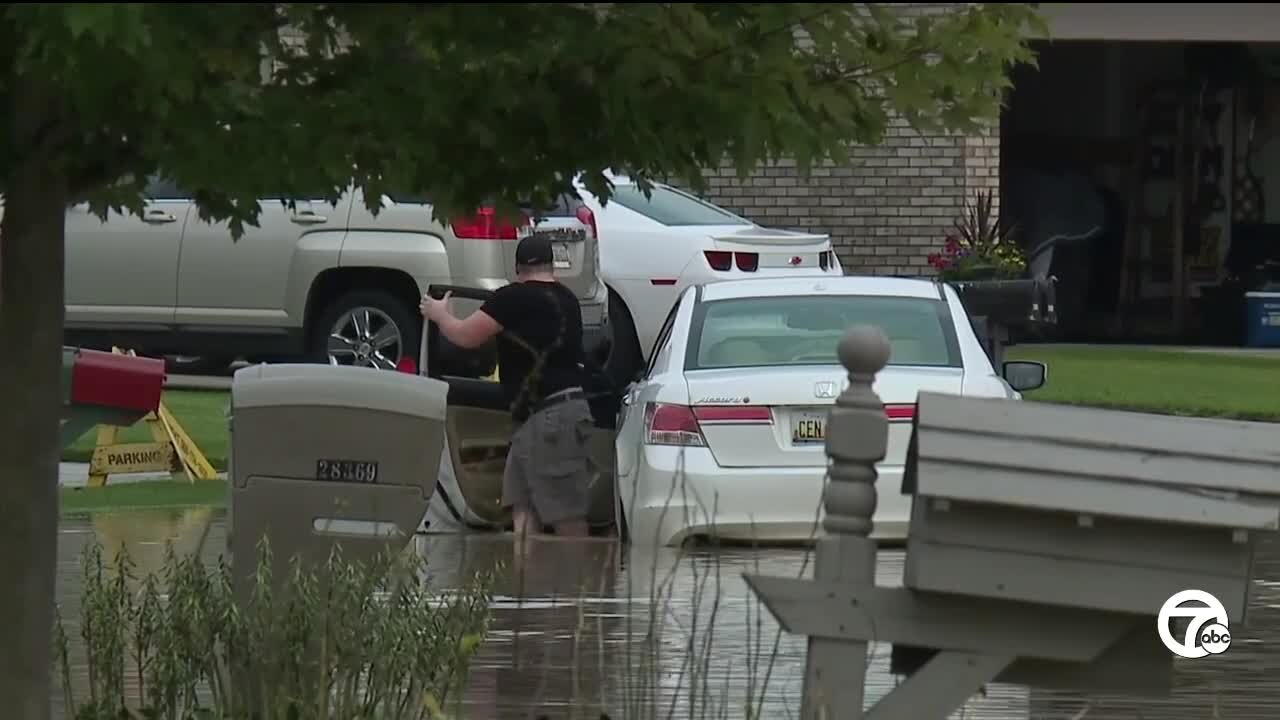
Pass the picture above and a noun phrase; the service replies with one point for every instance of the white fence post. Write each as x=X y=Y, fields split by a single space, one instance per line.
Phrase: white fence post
x=856 y=438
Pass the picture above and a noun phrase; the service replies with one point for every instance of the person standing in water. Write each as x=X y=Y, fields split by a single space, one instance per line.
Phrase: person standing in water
x=538 y=325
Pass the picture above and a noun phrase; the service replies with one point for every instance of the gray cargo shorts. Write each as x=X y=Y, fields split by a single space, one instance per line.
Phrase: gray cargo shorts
x=549 y=466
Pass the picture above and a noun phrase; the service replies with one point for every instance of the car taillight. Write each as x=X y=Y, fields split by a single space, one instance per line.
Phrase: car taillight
x=822 y=260
x=588 y=218
x=720 y=260
x=407 y=365
x=667 y=424
x=487 y=225
x=724 y=260
x=671 y=425
x=900 y=413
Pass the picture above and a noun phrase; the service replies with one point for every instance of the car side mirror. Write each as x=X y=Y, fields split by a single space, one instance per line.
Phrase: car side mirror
x=1024 y=375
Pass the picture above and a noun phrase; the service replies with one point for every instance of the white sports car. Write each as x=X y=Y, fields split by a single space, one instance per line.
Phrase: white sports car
x=653 y=248
x=723 y=435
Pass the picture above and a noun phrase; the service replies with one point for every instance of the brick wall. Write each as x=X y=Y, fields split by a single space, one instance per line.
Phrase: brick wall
x=886 y=211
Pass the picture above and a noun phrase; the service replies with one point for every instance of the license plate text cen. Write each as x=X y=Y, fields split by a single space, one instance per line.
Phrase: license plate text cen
x=808 y=428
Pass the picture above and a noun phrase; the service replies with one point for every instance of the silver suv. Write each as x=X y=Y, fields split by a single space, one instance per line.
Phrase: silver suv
x=322 y=283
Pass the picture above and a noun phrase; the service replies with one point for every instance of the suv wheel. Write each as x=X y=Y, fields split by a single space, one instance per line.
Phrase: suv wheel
x=366 y=328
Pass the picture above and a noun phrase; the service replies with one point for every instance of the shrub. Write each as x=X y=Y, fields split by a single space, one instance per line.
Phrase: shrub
x=347 y=641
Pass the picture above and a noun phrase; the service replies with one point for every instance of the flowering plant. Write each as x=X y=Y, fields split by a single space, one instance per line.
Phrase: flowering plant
x=980 y=247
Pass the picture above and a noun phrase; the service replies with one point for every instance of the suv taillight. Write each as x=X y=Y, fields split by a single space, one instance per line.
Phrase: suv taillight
x=486 y=225
x=588 y=218
x=666 y=424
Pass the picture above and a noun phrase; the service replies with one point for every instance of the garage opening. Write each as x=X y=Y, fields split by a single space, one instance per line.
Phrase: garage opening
x=1145 y=176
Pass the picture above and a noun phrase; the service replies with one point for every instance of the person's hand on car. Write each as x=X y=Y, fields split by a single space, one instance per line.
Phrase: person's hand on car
x=433 y=309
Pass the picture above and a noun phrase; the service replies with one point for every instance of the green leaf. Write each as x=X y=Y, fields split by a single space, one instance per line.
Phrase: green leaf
x=482 y=103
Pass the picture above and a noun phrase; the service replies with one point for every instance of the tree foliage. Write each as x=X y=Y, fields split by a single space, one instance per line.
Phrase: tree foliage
x=464 y=103
x=475 y=102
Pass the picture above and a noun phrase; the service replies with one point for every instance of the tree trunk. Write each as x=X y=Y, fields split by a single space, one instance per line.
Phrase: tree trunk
x=31 y=322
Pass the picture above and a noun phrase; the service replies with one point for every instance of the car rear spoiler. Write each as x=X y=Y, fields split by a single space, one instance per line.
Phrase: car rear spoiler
x=771 y=236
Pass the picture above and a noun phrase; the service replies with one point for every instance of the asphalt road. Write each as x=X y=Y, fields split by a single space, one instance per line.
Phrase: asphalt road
x=204 y=382
x=198 y=382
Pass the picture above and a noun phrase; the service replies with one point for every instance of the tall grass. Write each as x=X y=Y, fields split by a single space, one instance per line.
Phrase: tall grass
x=344 y=641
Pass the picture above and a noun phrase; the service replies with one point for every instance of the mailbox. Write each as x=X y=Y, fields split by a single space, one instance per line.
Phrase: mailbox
x=103 y=388
x=323 y=455
x=1025 y=501
x=1049 y=506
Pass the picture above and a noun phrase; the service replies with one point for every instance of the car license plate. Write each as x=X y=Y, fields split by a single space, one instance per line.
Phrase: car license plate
x=560 y=252
x=354 y=471
x=808 y=428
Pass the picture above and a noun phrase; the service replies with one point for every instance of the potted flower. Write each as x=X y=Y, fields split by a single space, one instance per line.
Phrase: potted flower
x=982 y=260
x=982 y=246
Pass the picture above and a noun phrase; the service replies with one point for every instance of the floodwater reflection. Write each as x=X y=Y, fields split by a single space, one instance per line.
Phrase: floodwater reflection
x=581 y=628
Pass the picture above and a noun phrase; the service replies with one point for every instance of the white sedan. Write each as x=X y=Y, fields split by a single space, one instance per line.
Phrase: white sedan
x=722 y=437
x=653 y=248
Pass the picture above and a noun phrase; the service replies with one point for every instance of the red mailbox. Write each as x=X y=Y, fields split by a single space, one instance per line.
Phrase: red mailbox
x=109 y=380
x=102 y=388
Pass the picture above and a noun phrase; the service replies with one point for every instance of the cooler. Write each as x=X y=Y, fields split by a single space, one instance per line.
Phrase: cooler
x=1263 y=317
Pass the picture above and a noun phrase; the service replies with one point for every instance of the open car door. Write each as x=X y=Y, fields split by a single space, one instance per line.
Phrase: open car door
x=478 y=427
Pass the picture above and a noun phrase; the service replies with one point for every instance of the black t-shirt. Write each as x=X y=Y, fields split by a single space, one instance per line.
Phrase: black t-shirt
x=538 y=319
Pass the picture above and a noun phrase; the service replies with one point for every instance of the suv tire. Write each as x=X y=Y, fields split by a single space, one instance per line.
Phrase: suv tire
x=346 y=316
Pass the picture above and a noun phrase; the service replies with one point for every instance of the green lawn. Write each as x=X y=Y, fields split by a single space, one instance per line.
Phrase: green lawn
x=144 y=495
x=203 y=414
x=1159 y=381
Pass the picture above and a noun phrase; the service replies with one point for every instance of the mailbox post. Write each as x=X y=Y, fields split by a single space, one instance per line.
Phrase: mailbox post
x=1043 y=542
x=102 y=388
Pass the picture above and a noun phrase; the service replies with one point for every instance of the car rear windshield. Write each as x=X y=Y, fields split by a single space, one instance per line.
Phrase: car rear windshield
x=805 y=330
x=672 y=207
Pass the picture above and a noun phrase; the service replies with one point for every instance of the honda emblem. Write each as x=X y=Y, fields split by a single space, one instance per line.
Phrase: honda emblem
x=824 y=390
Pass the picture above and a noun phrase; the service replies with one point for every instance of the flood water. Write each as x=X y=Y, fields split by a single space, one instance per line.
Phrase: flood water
x=563 y=613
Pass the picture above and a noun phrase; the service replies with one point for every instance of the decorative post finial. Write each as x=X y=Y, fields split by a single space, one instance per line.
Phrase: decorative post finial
x=857 y=435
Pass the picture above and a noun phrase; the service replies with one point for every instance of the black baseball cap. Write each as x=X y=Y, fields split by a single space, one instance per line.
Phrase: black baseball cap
x=534 y=249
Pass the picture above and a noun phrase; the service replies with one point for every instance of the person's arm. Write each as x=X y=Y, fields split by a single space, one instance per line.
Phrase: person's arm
x=477 y=329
